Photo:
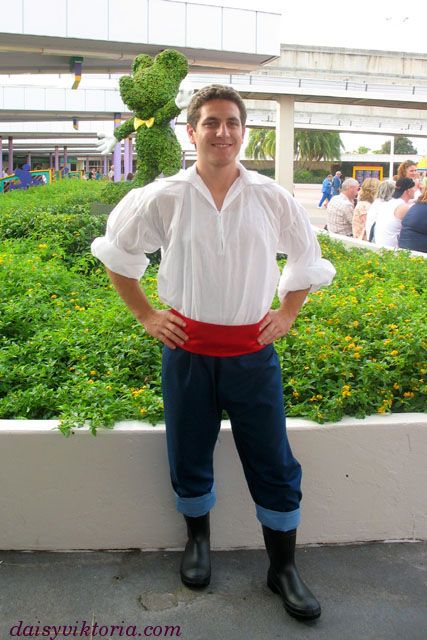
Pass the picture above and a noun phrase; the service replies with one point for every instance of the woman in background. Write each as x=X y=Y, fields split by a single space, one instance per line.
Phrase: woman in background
x=413 y=234
x=385 y=193
x=367 y=195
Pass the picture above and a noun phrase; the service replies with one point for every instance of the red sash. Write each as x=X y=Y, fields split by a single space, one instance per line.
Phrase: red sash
x=220 y=340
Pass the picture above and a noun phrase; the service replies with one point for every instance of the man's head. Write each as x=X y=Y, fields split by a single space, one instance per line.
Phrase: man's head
x=338 y=173
x=215 y=126
x=405 y=188
x=407 y=169
x=214 y=92
x=349 y=188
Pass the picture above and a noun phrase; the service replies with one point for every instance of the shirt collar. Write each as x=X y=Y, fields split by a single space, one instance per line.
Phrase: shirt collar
x=191 y=175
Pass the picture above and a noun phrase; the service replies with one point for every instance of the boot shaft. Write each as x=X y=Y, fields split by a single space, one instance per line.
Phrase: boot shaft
x=280 y=546
x=198 y=528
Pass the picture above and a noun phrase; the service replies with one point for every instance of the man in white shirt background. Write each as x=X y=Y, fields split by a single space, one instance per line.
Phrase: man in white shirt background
x=339 y=212
x=220 y=228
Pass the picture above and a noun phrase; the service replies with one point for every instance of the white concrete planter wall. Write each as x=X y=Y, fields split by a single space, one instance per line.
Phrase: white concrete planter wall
x=363 y=480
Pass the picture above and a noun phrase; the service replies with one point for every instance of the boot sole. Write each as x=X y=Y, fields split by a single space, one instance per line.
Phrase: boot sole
x=195 y=584
x=296 y=613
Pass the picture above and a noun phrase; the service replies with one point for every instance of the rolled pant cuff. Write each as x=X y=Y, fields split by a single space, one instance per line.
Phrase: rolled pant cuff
x=198 y=506
x=278 y=520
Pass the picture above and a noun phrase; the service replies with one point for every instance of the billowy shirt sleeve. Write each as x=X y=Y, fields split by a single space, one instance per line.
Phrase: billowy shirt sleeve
x=305 y=268
x=133 y=228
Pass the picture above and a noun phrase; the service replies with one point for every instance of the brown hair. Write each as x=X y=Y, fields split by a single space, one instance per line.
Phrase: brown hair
x=401 y=172
x=423 y=197
x=214 y=92
x=369 y=189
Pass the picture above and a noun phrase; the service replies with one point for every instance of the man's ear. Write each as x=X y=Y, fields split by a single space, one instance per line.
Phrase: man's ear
x=190 y=133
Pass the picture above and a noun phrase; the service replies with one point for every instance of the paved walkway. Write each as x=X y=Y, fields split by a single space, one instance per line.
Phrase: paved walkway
x=309 y=195
x=368 y=592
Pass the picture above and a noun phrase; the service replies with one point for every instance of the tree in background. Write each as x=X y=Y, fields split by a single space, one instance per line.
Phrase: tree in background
x=362 y=150
x=309 y=145
x=402 y=145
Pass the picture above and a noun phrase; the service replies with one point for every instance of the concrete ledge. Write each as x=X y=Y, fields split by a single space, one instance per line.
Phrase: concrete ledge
x=352 y=243
x=363 y=480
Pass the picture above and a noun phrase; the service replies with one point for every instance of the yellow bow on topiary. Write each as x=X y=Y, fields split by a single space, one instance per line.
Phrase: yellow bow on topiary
x=137 y=122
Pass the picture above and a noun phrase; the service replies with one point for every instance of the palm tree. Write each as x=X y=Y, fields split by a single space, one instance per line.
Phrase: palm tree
x=309 y=145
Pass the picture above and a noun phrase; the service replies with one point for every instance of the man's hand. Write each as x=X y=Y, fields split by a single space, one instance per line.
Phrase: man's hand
x=275 y=325
x=277 y=322
x=166 y=327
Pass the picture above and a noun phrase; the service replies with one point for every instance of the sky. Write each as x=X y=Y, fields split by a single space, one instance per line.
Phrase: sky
x=392 y=25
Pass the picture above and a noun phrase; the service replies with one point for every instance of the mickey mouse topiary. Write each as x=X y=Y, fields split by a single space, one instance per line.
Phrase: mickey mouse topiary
x=152 y=93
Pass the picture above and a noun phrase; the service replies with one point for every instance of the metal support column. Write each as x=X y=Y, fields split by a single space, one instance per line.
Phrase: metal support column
x=10 y=161
x=285 y=143
x=131 y=154
x=117 y=153
x=56 y=158
x=105 y=165
x=390 y=170
x=126 y=158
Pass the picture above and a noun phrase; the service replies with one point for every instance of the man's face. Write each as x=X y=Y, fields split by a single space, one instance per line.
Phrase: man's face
x=351 y=192
x=219 y=133
x=411 y=172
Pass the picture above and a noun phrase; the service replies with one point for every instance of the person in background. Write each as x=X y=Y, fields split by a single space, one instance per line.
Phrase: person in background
x=408 y=169
x=413 y=234
x=339 y=217
x=129 y=177
x=367 y=194
x=336 y=184
x=389 y=221
x=326 y=191
x=385 y=194
x=111 y=174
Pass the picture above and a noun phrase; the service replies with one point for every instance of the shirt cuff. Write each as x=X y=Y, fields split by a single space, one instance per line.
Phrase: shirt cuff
x=312 y=277
x=119 y=261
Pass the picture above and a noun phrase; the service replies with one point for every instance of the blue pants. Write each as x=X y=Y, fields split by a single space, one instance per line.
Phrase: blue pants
x=325 y=196
x=196 y=389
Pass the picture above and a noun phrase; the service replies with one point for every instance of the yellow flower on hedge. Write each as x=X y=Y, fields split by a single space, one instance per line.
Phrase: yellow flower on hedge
x=351 y=345
x=392 y=326
x=386 y=342
x=42 y=246
x=295 y=394
x=394 y=353
x=396 y=386
x=108 y=387
x=93 y=372
x=90 y=381
x=53 y=296
x=355 y=323
x=348 y=338
x=381 y=409
x=356 y=355
x=142 y=411
x=408 y=394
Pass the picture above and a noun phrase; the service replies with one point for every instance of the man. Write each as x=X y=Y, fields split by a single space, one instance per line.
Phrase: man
x=326 y=191
x=339 y=216
x=389 y=220
x=336 y=184
x=220 y=227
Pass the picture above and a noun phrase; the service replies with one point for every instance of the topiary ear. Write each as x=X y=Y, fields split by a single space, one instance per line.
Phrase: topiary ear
x=174 y=61
x=142 y=61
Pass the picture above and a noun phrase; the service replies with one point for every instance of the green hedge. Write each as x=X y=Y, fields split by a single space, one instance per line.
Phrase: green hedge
x=71 y=350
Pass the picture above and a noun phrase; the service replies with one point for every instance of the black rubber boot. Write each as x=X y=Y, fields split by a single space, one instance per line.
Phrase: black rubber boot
x=196 y=561
x=283 y=577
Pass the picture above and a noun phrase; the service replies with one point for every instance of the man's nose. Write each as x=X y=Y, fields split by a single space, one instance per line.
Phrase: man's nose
x=222 y=130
